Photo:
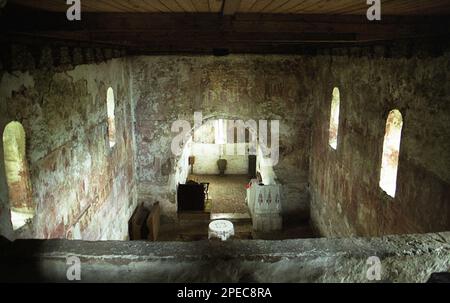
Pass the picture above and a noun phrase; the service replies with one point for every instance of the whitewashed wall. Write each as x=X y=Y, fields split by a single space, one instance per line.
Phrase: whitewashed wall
x=206 y=156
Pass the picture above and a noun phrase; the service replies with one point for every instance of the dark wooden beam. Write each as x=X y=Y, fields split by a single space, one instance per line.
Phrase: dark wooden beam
x=202 y=32
x=230 y=7
x=34 y=21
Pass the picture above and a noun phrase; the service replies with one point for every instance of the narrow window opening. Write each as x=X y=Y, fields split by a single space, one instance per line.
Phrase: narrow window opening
x=334 y=118
x=17 y=175
x=111 y=117
x=220 y=131
x=391 y=151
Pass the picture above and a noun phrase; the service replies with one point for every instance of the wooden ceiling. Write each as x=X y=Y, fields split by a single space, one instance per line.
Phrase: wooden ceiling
x=244 y=26
x=354 y=7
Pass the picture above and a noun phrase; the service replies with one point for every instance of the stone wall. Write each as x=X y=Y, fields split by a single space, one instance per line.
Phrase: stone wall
x=345 y=196
x=82 y=188
x=405 y=259
x=233 y=87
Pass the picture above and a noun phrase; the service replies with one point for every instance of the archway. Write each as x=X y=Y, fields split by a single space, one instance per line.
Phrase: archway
x=17 y=175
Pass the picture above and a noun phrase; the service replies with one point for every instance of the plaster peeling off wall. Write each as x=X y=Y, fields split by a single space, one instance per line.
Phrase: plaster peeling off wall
x=182 y=168
x=82 y=188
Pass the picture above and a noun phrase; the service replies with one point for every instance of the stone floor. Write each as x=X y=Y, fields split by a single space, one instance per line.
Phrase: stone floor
x=227 y=193
x=196 y=229
x=228 y=202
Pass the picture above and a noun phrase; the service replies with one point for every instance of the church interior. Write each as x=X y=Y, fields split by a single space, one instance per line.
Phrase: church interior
x=224 y=140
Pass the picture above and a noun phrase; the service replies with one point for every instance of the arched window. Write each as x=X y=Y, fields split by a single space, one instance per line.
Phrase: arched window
x=334 y=119
x=391 y=151
x=111 y=117
x=220 y=129
x=17 y=175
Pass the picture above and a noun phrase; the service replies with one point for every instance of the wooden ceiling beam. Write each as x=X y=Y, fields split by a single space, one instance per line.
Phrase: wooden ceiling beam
x=194 y=31
x=230 y=7
x=131 y=22
x=355 y=7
